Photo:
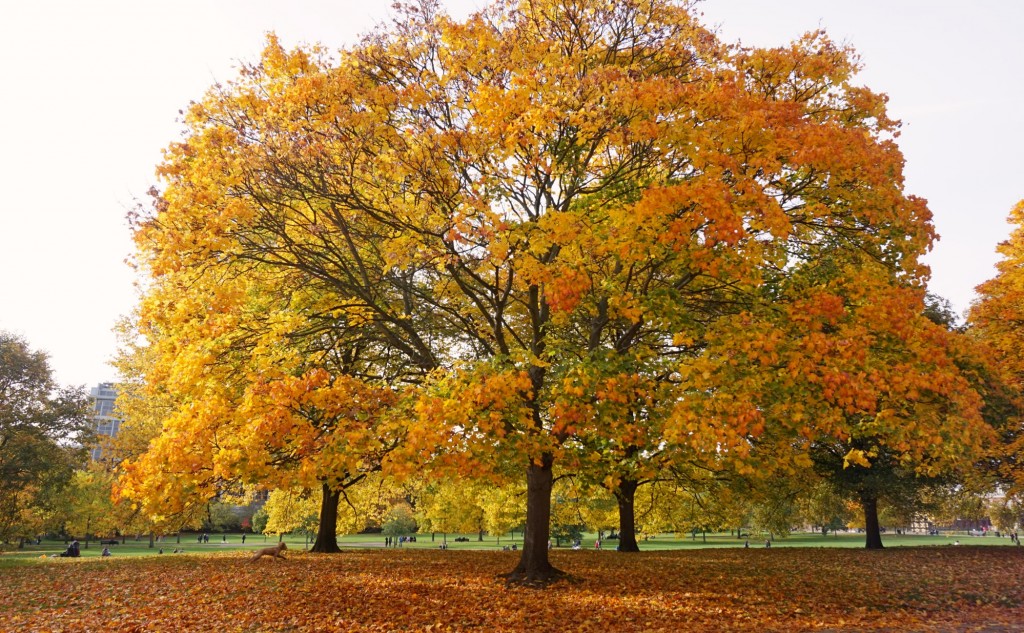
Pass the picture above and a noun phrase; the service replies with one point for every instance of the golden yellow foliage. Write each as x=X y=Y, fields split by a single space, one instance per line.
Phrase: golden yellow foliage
x=539 y=224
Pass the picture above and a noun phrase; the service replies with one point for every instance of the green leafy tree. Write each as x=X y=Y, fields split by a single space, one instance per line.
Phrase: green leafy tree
x=400 y=521
x=260 y=518
x=43 y=428
x=223 y=517
x=824 y=507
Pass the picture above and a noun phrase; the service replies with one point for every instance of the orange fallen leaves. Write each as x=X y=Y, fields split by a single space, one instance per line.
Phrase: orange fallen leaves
x=386 y=590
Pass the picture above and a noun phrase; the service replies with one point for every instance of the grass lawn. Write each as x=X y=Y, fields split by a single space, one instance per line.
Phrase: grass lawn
x=417 y=589
x=233 y=543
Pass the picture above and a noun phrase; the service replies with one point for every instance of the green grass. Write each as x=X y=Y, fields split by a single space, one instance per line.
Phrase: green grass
x=233 y=542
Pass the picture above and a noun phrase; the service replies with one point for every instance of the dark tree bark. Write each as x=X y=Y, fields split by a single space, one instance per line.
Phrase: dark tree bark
x=874 y=535
x=626 y=496
x=327 y=531
x=534 y=566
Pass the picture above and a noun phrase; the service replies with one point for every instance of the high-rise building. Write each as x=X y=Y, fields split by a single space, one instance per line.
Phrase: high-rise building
x=103 y=398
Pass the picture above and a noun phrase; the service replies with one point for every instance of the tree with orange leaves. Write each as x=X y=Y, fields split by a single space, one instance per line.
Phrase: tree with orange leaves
x=242 y=386
x=997 y=315
x=552 y=198
x=996 y=322
x=842 y=371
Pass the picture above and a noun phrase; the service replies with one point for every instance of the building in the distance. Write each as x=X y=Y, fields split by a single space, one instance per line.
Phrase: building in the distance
x=103 y=398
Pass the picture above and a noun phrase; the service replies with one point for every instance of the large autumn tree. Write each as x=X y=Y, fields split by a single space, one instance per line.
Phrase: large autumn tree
x=996 y=321
x=841 y=369
x=553 y=196
x=998 y=313
x=243 y=385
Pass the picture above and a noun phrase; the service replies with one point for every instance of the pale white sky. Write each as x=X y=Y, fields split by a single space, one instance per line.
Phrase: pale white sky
x=91 y=92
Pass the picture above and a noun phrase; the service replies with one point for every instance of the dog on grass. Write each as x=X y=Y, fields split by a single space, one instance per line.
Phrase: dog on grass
x=274 y=551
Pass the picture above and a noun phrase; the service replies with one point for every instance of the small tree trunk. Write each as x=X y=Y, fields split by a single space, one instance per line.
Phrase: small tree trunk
x=625 y=496
x=327 y=531
x=874 y=535
x=534 y=566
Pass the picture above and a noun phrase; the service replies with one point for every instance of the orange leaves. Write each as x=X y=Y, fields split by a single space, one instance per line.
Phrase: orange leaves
x=326 y=425
x=578 y=228
x=848 y=360
x=372 y=590
x=997 y=315
x=470 y=420
x=995 y=322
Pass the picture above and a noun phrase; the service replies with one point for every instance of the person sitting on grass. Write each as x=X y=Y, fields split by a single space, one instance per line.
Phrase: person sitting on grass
x=72 y=551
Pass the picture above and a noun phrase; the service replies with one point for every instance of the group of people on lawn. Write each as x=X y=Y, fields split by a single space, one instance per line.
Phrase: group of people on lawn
x=74 y=550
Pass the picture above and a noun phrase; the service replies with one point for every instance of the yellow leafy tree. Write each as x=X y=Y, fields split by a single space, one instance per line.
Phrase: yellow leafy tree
x=292 y=511
x=503 y=508
x=91 y=509
x=243 y=386
x=549 y=195
x=996 y=322
x=451 y=506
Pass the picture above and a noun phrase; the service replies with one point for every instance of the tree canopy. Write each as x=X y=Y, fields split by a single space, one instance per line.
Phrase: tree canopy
x=996 y=321
x=542 y=235
x=43 y=431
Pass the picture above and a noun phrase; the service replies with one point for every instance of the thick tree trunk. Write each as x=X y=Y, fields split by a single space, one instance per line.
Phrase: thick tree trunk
x=874 y=534
x=327 y=531
x=534 y=566
x=626 y=496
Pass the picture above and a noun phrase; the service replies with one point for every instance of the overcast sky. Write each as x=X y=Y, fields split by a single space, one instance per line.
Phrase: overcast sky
x=91 y=93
